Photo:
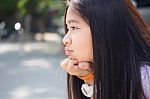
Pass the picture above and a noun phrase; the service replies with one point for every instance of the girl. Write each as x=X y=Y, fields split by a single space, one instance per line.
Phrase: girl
x=107 y=45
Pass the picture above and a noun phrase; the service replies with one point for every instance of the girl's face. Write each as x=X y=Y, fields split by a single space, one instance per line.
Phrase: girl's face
x=78 y=39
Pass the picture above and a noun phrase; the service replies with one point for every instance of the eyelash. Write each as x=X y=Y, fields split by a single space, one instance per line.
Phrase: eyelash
x=73 y=28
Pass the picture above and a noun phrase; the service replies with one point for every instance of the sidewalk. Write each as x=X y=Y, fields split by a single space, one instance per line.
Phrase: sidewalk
x=31 y=70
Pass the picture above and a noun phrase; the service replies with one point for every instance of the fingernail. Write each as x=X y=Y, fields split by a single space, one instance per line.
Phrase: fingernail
x=82 y=66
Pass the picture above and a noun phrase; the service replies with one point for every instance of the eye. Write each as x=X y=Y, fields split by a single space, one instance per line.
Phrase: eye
x=73 y=28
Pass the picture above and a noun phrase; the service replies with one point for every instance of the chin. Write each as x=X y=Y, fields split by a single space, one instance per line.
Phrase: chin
x=71 y=57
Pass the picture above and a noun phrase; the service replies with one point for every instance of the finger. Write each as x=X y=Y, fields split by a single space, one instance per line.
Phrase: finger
x=85 y=66
x=64 y=63
x=71 y=65
x=82 y=72
x=75 y=70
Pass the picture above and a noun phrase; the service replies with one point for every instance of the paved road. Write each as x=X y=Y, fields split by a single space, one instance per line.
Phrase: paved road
x=31 y=70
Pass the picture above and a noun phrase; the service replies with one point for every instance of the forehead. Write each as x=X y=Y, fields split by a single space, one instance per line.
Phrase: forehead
x=73 y=16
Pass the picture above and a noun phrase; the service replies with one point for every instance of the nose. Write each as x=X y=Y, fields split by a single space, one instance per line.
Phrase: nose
x=67 y=40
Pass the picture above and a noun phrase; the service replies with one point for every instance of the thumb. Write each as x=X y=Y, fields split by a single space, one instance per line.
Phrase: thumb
x=85 y=66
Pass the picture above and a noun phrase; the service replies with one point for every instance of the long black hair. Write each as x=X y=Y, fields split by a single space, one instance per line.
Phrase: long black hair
x=120 y=41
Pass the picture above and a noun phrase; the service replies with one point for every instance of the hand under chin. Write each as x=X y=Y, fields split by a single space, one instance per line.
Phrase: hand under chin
x=72 y=58
x=79 y=60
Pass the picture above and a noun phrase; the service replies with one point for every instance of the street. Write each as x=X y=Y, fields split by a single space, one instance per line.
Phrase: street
x=31 y=70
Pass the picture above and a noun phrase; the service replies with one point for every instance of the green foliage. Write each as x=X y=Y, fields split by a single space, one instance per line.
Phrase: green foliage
x=58 y=4
x=24 y=7
x=32 y=6
x=38 y=6
x=11 y=10
x=8 y=7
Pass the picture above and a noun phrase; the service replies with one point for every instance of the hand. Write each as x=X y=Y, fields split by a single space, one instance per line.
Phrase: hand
x=74 y=68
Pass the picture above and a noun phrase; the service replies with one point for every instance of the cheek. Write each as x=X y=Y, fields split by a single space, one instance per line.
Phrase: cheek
x=82 y=45
x=83 y=50
x=84 y=55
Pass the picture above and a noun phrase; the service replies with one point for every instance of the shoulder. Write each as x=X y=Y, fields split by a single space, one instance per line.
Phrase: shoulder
x=145 y=70
x=145 y=77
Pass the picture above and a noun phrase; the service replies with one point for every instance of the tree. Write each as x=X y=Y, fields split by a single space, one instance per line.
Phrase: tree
x=11 y=10
x=39 y=6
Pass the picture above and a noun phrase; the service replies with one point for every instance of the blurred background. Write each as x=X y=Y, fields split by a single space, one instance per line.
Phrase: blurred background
x=31 y=32
x=30 y=18
x=31 y=50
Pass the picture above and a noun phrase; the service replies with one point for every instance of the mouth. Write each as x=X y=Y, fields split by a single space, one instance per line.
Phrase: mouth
x=68 y=52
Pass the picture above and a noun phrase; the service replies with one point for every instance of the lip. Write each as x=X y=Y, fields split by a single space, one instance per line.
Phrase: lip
x=68 y=51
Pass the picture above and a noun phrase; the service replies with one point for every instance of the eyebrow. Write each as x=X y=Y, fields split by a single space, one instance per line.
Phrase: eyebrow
x=70 y=21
